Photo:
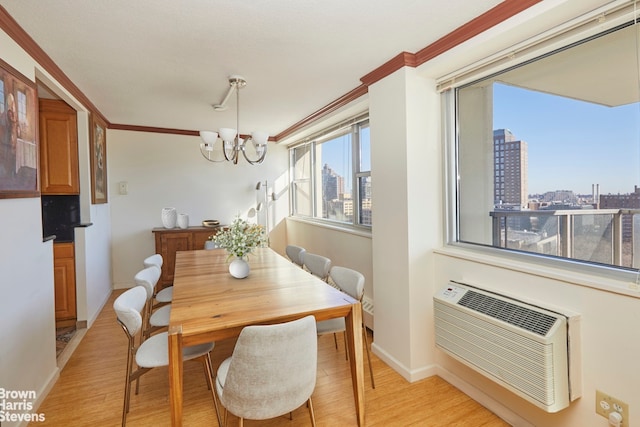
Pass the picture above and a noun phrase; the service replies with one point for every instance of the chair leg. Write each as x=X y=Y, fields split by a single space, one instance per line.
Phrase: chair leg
x=127 y=384
x=206 y=374
x=335 y=339
x=144 y=332
x=313 y=418
x=137 y=385
x=210 y=383
x=366 y=346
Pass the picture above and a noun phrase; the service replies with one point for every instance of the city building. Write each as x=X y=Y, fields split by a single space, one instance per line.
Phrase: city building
x=629 y=221
x=510 y=171
x=334 y=205
x=621 y=201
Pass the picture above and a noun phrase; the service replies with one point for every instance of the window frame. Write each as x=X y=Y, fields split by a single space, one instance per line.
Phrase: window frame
x=352 y=127
x=603 y=274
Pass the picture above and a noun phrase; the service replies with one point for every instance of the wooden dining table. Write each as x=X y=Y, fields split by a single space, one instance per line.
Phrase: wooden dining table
x=210 y=305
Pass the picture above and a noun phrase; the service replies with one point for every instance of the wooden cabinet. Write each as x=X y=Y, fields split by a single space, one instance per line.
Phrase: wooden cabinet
x=64 y=277
x=58 y=148
x=169 y=241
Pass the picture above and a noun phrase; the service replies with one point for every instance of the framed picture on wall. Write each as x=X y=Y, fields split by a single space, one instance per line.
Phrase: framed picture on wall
x=19 y=151
x=98 y=153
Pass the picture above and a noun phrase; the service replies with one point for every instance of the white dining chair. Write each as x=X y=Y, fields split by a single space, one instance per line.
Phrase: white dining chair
x=317 y=265
x=271 y=372
x=153 y=352
x=350 y=282
x=153 y=319
x=295 y=254
x=165 y=295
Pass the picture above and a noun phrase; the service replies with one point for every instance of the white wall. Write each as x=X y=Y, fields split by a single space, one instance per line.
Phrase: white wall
x=28 y=354
x=93 y=264
x=168 y=171
x=28 y=350
x=406 y=201
x=345 y=248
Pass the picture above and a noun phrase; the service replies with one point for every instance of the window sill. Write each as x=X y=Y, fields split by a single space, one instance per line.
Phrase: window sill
x=624 y=283
x=345 y=228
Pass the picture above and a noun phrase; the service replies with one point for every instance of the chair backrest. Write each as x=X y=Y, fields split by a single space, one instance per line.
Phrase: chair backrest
x=153 y=260
x=295 y=254
x=148 y=278
x=128 y=307
x=317 y=265
x=272 y=369
x=349 y=281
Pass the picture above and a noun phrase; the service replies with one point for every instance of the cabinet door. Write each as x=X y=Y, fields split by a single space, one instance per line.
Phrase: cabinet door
x=170 y=243
x=58 y=148
x=201 y=236
x=64 y=277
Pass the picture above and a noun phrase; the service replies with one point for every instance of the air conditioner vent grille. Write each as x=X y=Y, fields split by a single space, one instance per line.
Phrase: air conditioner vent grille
x=523 y=317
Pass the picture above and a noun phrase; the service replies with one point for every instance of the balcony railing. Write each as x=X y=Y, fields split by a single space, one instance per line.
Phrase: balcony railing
x=597 y=235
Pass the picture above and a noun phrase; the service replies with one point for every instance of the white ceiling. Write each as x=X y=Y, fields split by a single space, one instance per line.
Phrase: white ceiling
x=163 y=63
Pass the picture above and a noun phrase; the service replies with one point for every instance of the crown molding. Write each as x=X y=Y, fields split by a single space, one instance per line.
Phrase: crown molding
x=492 y=17
x=328 y=109
x=489 y=19
x=24 y=40
x=404 y=59
x=152 y=129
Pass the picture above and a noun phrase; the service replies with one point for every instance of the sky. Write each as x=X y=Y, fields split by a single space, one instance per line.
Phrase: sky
x=572 y=144
x=337 y=154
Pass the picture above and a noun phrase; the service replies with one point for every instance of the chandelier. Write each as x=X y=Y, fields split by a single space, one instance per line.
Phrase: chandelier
x=232 y=142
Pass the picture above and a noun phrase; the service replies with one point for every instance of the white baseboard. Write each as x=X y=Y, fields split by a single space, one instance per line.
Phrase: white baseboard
x=42 y=394
x=99 y=310
x=474 y=393
x=122 y=285
x=407 y=374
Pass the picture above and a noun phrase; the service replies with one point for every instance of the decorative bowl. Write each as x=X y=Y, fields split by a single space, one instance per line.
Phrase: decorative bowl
x=210 y=223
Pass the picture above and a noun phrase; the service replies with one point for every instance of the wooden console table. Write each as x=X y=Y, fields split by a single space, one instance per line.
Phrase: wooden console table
x=171 y=240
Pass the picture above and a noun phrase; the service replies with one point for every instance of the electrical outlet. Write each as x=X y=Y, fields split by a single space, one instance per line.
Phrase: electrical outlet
x=606 y=404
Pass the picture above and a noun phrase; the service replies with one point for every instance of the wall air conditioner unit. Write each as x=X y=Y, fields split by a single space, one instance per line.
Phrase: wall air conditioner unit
x=533 y=352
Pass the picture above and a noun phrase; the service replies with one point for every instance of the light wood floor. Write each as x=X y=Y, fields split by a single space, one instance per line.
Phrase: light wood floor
x=91 y=386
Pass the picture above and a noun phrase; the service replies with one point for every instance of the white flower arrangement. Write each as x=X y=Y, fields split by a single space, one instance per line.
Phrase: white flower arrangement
x=241 y=238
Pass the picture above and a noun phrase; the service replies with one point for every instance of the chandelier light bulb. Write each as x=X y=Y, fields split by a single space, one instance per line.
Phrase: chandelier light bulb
x=209 y=137
x=232 y=142
x=228 y=134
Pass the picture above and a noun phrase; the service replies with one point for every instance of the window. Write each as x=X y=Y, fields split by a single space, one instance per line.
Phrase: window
x=548 y=155
x=331 y=175
x=301 y=182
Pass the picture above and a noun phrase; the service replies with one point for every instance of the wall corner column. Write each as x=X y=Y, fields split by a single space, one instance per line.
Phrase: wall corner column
x=408 y=223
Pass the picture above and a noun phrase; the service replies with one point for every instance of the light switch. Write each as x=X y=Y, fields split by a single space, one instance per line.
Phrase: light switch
x=123 y=187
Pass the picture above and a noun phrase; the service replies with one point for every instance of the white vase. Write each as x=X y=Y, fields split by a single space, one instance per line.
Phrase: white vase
x=183 y=221
x=169 y=217
x=239 y=268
